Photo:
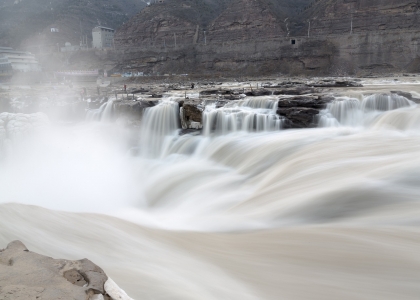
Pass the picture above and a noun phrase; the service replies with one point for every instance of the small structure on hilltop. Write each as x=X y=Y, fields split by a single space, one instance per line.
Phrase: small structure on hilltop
x=19 y=60
x=103 y=37
x=68 y=47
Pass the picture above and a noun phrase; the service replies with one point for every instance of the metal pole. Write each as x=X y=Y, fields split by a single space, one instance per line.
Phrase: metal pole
x=309 y=27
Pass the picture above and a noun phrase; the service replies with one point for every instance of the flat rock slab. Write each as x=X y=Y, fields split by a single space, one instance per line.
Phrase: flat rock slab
x=25 y=275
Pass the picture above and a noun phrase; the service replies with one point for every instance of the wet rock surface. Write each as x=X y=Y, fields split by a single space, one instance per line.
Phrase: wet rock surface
x=27 y=275
x=335 y=83
x=299 y=117
x=407 y=95
x=301 y=111
x=192 y=112
x=132 y=109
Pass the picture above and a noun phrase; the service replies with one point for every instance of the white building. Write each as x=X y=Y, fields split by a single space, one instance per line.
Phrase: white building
x=19 y=60
x=103 y=37
x=68 y=47
x=5 y=66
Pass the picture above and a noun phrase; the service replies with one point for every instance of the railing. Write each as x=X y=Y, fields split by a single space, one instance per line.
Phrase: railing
x=78 y=73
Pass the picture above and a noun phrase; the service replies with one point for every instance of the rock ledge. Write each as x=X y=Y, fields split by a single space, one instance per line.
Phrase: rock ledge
x=25 y=275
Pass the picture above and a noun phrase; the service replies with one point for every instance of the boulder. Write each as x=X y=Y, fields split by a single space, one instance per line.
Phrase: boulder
x=192 y=112
x=299 y=117
x=28 y=275
x=301 y=111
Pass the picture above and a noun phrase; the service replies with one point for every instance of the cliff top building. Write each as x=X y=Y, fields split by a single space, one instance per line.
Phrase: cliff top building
x=5 y=68
x=103 y=37
x=18 y=60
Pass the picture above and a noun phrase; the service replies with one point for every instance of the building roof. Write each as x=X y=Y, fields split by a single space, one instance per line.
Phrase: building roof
x=11 y=51
x=107 y=28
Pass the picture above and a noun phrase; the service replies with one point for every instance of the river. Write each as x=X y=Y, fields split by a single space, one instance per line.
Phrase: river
x=244 y=211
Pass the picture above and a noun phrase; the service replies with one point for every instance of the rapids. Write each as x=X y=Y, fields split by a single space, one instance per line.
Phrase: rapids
x=324 y=213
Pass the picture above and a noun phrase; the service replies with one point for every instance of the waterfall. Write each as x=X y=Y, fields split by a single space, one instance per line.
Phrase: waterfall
x=251 y=115
x=160 y=123
x=108 y=111
x=384 y=102
x=345 y=111
x=258 y=102
x=342 y=111
x=104 y=113
x=238 y=216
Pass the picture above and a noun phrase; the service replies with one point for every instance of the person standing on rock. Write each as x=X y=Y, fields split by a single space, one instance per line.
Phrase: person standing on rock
x=125 y=87
x=192 y=85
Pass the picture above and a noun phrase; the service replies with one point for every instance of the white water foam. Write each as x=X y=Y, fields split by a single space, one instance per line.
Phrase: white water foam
x=242 y=215
x=251 y=115
x=345 y=111
x=104 y=113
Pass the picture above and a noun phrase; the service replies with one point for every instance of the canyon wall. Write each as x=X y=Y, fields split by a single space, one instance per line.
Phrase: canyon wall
x=330 y=37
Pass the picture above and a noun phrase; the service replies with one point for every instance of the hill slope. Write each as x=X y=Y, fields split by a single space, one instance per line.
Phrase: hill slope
x=28 y=23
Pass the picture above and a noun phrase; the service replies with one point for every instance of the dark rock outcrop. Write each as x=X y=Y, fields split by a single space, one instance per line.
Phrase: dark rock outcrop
x=299 y=117
x=301 y=112
x=132 y=109
x=259 y=92
x=192 y=112
x=336 y=83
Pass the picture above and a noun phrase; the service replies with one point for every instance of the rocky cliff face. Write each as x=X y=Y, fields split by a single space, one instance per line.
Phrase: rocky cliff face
x=359 y=16
x=379 y=36
x=337 y=37
x=245 y=20
x=163 y=39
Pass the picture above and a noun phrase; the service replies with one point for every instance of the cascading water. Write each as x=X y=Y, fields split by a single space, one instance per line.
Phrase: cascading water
x=251 y=115
x=247 y=215
x=107 y=113
x=104 y=113
x=344 y=111
x=159 y=126
x=384 y=102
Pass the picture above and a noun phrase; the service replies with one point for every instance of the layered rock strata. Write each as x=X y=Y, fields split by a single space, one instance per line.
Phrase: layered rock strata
x=337 y=37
